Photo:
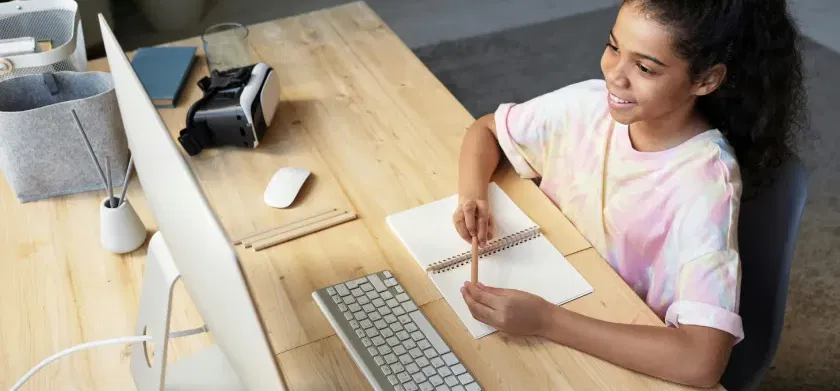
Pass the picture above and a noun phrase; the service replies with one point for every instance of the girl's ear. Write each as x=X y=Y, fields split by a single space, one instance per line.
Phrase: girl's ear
x=710 y=81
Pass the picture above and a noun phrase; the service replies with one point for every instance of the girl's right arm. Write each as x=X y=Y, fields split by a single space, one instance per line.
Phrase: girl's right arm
x=479 y=157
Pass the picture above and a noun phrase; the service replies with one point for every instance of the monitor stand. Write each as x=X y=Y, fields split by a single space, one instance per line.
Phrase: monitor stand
x=206 y=370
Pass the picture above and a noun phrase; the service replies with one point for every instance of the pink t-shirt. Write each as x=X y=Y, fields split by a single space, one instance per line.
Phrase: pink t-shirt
x=665 y=221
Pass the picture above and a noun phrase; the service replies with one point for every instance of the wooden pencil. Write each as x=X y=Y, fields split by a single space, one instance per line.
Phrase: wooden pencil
x=303 y=231
x=248 y=243
x=474 y=263
x=254 y=235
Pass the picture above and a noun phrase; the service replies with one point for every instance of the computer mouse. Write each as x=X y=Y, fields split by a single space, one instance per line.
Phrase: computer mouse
x=284 y=186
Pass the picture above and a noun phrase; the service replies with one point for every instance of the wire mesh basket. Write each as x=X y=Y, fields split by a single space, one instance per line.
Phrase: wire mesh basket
x=54 y=21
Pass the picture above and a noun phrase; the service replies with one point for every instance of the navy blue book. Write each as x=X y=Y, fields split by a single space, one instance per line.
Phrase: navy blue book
x=163 y=70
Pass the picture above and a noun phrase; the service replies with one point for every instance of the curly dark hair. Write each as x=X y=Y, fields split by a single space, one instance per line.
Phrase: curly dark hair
x=760 y=106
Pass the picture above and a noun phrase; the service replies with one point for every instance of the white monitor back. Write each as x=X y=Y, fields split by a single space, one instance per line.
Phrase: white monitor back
x=198 y=245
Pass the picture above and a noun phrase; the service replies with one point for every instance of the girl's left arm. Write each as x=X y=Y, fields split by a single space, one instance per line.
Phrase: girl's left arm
x=690 y=355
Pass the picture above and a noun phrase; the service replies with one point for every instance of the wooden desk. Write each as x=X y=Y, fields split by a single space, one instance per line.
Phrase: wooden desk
x=381 y=135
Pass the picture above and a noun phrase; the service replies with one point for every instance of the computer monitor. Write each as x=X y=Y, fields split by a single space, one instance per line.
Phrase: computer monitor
x=198 y=245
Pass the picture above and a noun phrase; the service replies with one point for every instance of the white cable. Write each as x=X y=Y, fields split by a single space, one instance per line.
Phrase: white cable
x=114 y=341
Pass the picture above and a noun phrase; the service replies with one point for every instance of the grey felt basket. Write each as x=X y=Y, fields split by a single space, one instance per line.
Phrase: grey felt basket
x=42 y=153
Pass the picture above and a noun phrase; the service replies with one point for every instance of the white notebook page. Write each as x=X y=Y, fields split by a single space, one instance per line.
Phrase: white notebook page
x=533 y=266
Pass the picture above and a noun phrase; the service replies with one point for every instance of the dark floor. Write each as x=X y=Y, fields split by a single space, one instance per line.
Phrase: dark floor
x=518 y=64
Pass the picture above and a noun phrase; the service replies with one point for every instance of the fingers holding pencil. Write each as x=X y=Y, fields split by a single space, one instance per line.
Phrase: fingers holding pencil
x=474 y=263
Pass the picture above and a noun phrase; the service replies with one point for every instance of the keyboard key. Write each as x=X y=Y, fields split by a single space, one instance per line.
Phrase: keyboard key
x=405 y=319
x=410 y=386
x=412 y=367
x=379 y=360
x=438 y=362
x=366 y=324
x=348 y=300
x=367 y=287
x=397 y=368
x=390 y=358
x=380 y=324
x=372 y=295
x=387 y=274
x=402 y=297
x=342 y=308
x=376 y=282
x=395 y=327
x=429 y=371
x=354 y=324
x=450 y=359
x=426 y=386
x=393 y=341
x=402 y=335
x=387 y=295
x=400 y=388
x=352 y=284
x=386 y=370
x=384 y=349
x=393 y=380
x=458 y=388
x=389 y=282
x=372 y=332
x=368 y=308
x=422 y=362
x=406 y=359
x=444 y=371
x=404 y=377
x=436 y=380
x=363 y=300
x=411 y=327
x=384 y=311
x=399 y=289
x=372 y=351
x=415 y=352
x=366 y=342
x=409 y=344
x=386 y=333
x=375 y=316
x=419 y=377
x=360 y=333
x=360 y=315
x=417 y=336
x=398 y=310
x=331 y=291
x=377 y=341
x=348 y=315
x=357 y=292
x=393 y=303
x=355 y=307
x=337 y=299
x=430 y=353
x=399 y=350
x=426 y=328
x=342 y=290
x=459 y=369
x=442 y=388
x=451 y=381
x=391 y=318
x=378 y=302
x=465 y=379
x=409 y=306
x=424 y=344
x=473 y=387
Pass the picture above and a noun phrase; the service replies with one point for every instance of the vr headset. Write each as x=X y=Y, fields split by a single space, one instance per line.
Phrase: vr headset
x=236 y=109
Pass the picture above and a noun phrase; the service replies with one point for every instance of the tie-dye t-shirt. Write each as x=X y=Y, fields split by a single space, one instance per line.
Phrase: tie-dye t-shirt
x=665 y=221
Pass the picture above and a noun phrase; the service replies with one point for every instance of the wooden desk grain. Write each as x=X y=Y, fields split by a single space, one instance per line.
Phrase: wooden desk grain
x=380 y=134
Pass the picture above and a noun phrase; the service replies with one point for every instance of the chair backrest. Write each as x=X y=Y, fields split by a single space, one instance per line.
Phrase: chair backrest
x=768 y=227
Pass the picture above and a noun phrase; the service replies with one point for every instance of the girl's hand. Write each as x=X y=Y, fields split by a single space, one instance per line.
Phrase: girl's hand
x=512 y=311
x=473 y=218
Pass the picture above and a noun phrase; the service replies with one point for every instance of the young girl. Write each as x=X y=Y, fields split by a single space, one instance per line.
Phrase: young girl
x=647 y=165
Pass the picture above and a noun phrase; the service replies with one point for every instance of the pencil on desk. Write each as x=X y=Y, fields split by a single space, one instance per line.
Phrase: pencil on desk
x=249 y=242
x=474 y=263
x=254 y=235
x=305 y=230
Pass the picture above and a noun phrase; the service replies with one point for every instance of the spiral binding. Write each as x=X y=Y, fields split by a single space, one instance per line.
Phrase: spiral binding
x=492 y=248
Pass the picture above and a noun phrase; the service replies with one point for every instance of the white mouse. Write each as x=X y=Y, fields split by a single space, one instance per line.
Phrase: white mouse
x=284 y=186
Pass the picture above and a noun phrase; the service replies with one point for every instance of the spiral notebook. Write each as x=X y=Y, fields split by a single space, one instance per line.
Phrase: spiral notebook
x=518 y=257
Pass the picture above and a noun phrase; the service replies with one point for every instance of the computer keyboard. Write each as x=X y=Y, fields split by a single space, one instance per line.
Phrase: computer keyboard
x=391 y=341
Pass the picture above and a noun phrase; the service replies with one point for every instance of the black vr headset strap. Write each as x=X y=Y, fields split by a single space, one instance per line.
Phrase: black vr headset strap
x=194 y=138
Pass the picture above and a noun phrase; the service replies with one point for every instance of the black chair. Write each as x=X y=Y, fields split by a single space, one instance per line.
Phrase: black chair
x=768 y=226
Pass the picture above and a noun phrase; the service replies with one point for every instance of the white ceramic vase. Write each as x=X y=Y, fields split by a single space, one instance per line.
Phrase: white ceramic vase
x=120 y=229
